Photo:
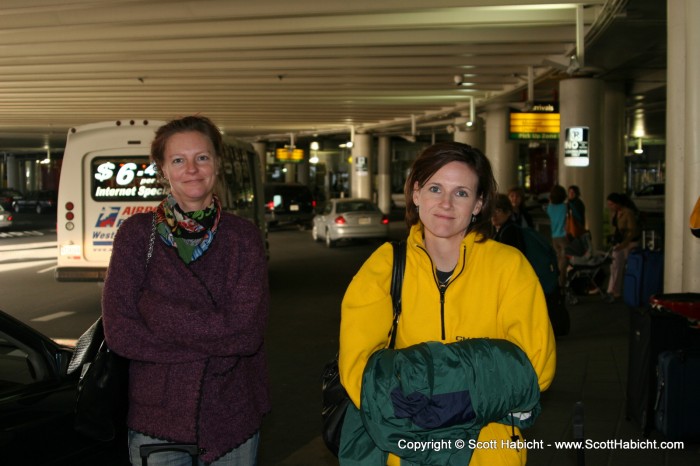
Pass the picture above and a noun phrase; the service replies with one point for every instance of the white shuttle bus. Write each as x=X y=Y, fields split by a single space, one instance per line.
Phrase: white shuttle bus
x=106 y=176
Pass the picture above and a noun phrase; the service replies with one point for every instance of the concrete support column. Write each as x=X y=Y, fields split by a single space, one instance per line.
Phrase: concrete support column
x=29 y=174
x=502 y=153
x=681 y=248
x=614 y=139
x=361 y=171
x=12 y=172
x=303 y=168
x=472 y=135
x=581 y=105
x=384 y=174
x=290 y=173
x=261 y=149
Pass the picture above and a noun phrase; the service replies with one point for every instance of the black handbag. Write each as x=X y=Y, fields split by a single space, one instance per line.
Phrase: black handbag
x=100 y=408
x=102 y=401
x=335 y=398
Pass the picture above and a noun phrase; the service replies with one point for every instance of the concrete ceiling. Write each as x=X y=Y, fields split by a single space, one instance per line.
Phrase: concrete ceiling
x=270 y=68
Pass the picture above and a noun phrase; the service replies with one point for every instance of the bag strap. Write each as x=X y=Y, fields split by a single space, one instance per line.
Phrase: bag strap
x=151 y=240
x=396 y=285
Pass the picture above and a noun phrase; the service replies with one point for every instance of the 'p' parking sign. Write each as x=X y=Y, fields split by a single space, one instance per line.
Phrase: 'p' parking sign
x=576 y=146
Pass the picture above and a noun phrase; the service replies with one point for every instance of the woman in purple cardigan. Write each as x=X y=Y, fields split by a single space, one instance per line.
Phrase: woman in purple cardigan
x=190 y=319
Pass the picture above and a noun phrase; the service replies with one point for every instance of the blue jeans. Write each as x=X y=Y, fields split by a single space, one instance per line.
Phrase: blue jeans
x=245 y=455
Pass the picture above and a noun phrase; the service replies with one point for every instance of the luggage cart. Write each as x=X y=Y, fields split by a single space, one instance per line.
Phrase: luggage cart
x=585 y=267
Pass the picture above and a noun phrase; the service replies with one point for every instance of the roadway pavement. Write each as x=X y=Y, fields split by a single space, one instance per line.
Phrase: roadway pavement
x=592 y=366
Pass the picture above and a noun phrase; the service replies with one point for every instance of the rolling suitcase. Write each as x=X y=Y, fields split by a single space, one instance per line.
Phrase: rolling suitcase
x=677 y=401
x=643 y=277
x=146 y=450
x=652 y=331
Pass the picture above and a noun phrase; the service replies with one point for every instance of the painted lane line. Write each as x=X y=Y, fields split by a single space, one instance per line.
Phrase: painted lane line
x=54 y=316
x=21 y=247
x=24 y=265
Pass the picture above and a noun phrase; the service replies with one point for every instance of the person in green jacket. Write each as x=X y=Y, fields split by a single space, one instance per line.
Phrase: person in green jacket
x=458 y=284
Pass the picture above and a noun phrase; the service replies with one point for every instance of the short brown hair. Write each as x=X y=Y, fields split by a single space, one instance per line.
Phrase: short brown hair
x=502 y=202
x=436 y=156
x=199 y=124
x=558 y=194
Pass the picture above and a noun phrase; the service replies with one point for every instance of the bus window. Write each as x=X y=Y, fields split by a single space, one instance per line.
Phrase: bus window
x=124 y=179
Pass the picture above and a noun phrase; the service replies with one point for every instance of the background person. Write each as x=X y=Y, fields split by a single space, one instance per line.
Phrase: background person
x=623 y=218
x=556 y=210
x=520 y=214
x=503 y=223
x=191 y=320
x=458 y=284
x=577 y=212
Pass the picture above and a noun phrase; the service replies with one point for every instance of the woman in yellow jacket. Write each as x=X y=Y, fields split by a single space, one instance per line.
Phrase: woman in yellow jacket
x=458 y=283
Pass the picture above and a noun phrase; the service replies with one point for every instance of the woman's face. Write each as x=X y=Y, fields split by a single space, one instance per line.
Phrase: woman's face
x=572 y=194
x=447 y=201
x=189 y=164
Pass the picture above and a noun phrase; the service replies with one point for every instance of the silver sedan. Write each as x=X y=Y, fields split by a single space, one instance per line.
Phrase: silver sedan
x=349 y=218
x=5 y=218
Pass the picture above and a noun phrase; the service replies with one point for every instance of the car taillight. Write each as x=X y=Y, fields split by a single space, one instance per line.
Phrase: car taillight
x=9 y=217
x=340 y=220
x=385 y=220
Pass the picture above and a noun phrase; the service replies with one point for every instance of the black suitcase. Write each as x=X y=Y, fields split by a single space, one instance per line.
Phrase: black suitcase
x=651 y=333
x=146 y=450
x=677 y=401
x=558 y=313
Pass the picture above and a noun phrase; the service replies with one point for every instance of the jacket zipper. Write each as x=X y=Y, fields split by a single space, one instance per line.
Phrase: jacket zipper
x=443 y=288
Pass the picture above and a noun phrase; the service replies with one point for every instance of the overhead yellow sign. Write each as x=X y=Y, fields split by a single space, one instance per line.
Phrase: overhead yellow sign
x=534 y=125
x=285 y=154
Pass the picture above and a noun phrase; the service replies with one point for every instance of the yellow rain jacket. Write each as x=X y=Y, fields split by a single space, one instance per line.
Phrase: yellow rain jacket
x=493 y=293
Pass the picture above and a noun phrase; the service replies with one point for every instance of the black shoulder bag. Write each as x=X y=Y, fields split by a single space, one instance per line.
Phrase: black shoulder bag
x=335 y=398
x=102 y=402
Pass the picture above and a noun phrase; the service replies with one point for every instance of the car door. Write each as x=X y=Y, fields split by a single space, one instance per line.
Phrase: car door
x=37 y=399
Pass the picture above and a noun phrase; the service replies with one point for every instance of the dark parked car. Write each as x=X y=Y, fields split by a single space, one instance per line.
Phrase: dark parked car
x=8 y=197
x=37 y=201
x=37 y=398
x=288 y=204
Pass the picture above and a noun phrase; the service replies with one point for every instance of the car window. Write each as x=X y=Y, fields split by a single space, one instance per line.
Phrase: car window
x=652 y=190
x=342 y=207
x=11 y=192
x=357 y=206
x=15 y=368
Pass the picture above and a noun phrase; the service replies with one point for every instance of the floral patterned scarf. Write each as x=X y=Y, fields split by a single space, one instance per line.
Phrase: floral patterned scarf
x=190 y=233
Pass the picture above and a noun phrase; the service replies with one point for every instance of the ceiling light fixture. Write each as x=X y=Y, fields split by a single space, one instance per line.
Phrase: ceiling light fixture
x=639 y=149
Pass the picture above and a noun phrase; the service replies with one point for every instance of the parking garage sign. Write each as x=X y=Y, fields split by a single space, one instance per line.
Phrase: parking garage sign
x=576 y=146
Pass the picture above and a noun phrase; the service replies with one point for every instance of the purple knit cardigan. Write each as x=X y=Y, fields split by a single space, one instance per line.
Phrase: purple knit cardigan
x=194 y=334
